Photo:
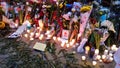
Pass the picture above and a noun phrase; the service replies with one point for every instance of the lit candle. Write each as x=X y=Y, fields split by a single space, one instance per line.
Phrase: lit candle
x=49 y=36
x=66 y=41
x=62 y=44
x=111 y=58
x=54 y=38
x=110 y=54
x=103 y=56
x=68 y=45
x=16 y=24
x=36 y=34
x=96 y=51
x=48 y=32
x=79 y=35
x=100 y=60
x=59 y=39
x=105 y=52
x=31 y=34
x=41 y=37
x=113 y=47
x=31 y=38
x=27 y=3
x=28 y=31
x=87 y=48
x=98 y=57
x=26 y=35
x=83 y=58
x=94 y=63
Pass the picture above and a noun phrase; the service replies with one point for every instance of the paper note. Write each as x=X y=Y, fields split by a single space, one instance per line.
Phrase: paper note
x=39 y=46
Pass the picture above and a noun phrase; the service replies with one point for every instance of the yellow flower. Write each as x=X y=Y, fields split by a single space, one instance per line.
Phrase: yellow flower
x=85 y=8
x=61 y=5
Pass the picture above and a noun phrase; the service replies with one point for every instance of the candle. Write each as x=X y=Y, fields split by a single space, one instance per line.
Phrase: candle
x=68 y=45
x=87 y=48
x=41 y=37
x=96 y=51
x=58 y=38
x=48 y=32
x=31 y=34
x=111 y=58
x=113 y=47
x=66 y=41
x=27 y=3
x=54 y=38
x=62 y=44
x=26 y=35
x=83 y=57
x=110 y=54
x=31 y=38
x=49 y=36
x=103 y=56
x=98 y=57
x=100 y=60
x=94 y=63
x=28 y=31
x=36 y=34
x=79 y=35
x=105 y=52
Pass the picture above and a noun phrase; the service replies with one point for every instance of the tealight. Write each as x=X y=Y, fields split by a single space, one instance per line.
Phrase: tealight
x=83 y=58
x=26 y=35
x=111 y=58
x=37 y=34
x=62 y=44
x=54 y=38
x=31 y=38
x=31 y=34
x=59 y=39
x=98 y=57
x=96 y=51
x=28 y=31
x=103 y=56
x=41 y=37
x=94 y=63
x=68 y=45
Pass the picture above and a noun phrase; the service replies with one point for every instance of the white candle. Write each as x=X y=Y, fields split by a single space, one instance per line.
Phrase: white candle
x=49 y=36
x=111 y=58
x=105 y=52
x=31 y=34
x=68 y=45
x=26 y=35
x=54 y=38
x=28 y=31
x=66 y=41
x=31 y=38
x=94 y=63
x=59 y=39
x=100 y=60
x=83 y=57
x=113 y=47
x=96 y=51
x=36 y=34
x=110 y=54
x=62 y=44
x=41 y=37
x=103 y=56
x=98 y=57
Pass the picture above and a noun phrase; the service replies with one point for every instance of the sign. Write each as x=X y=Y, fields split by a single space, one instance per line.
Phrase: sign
x=39 y=46
x=65 y=34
